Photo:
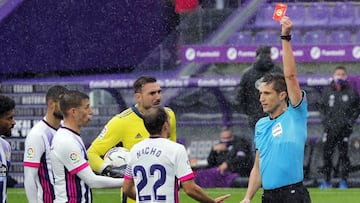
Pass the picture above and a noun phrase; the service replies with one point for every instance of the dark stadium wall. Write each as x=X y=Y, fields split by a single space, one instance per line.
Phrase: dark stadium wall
x=80 y=36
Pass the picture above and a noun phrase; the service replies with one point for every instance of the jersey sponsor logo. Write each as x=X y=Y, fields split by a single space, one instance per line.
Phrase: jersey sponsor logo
x=30 y=152
x=74 y=156
x=345 y=98
x=277 y=130
x=102 y=133
x=138 y=136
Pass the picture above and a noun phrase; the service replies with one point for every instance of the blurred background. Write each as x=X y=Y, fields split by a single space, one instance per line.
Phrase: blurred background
x=198 y=49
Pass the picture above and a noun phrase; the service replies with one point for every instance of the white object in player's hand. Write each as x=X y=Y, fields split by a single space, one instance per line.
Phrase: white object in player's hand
x=116 y=156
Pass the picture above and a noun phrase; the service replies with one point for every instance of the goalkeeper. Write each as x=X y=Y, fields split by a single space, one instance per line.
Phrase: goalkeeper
x=127 y=128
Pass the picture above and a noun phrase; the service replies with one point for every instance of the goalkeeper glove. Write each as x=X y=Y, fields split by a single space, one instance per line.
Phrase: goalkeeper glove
x=114 y=171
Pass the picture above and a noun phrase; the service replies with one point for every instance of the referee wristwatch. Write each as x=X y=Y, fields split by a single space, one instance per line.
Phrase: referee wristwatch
x=285 y=37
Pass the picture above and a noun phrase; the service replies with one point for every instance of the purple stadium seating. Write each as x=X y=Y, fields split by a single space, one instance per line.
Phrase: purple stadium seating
x=241 y=38
x=296 y=37
x=357 y=37
x=317 y=15
x=267 y=37
x=297 y=12
x=315 y=37
x=342 y=15
x=264 y=17
x=357 y=14
x=340 y=37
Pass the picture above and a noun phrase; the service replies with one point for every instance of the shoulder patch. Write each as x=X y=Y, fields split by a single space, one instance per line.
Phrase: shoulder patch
x=74 y=157
x=30 y=152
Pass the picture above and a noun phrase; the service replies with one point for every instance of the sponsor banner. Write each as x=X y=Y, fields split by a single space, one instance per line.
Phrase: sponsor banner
x=199 y=82
x=169 y=82
x=302 y=53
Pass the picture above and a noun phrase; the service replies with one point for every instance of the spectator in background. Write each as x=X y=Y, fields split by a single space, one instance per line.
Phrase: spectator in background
x=7 y=122
x=228 y=159
x=38 y=177
x=339 y=108
x=248 y=95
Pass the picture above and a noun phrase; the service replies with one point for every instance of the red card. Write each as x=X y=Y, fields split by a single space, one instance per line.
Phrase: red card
x=279 y=11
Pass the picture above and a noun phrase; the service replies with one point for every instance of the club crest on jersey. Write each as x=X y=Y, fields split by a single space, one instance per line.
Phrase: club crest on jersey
x=277 y=130
x=74 y=156
x=30 y=152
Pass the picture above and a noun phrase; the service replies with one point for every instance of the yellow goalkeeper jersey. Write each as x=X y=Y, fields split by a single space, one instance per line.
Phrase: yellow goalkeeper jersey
x=126 y=128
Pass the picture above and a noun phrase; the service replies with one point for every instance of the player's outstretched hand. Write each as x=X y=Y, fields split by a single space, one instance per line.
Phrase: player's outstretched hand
x=222 y=198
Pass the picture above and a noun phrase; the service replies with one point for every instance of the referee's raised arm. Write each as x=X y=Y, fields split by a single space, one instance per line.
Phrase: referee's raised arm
x=289 y=64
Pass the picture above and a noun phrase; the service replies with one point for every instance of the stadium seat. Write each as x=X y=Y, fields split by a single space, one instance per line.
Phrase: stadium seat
x=342 y=15
x=317 y=15
x=296 y=37
x=296 y=11
x=264 y=17
x=241 y=38
x=315 y=37
x=357 y=37
x=267 y=37
x=340 y=37
x=357 y=14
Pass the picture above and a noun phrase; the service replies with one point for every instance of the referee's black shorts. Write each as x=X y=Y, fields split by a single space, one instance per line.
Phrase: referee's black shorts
x=295 y=193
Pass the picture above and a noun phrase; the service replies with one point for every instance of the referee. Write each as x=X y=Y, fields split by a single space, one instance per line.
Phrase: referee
x=280 y=137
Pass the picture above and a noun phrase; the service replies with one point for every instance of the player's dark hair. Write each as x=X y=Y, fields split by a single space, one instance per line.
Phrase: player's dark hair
x=55 y=92
x=141 y=81
x=71 y=99
x=277 y=79
x=6 y=104
x=154 y=118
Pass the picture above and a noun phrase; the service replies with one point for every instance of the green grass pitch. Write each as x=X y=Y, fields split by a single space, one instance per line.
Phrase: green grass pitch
x=17 y=195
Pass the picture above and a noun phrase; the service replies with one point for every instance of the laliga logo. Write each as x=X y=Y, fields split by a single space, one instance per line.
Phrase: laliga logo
x=74 y=156
x=30 y=152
